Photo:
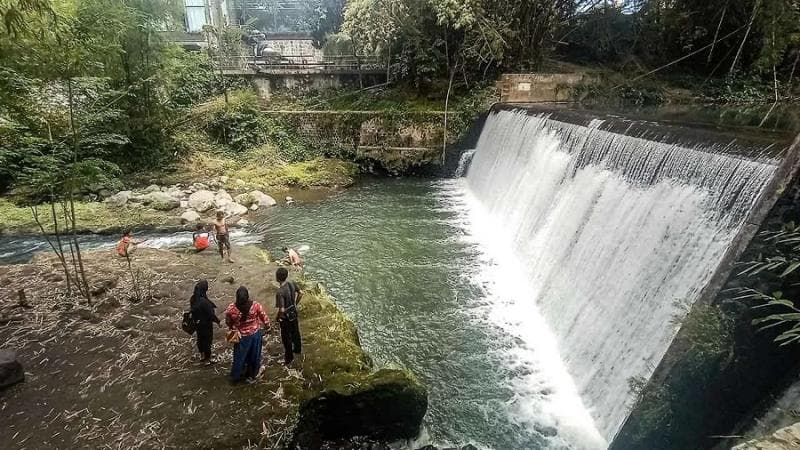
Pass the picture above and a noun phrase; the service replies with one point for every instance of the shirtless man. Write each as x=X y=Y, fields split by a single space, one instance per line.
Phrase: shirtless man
x=223 y=237
x=293 y=257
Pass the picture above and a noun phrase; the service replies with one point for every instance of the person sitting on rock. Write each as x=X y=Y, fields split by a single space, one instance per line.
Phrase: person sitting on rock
x=204 y=317
x=293 y=258
x=245 y=319
x=127 y=245
x=200 y=238
x=222 y=235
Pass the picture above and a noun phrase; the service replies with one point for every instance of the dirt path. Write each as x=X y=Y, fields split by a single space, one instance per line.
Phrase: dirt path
x=121 y=374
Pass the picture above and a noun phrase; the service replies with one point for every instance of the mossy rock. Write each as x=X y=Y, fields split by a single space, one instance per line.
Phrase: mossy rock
x=387 y=405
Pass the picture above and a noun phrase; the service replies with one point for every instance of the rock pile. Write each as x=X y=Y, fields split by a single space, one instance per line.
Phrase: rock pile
x=194 y=200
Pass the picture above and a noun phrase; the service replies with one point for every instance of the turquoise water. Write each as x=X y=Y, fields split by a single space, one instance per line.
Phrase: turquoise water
x=397 y=260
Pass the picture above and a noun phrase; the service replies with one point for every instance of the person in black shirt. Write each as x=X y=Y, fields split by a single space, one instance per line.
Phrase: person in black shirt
x=286 y=300
x=204 y=318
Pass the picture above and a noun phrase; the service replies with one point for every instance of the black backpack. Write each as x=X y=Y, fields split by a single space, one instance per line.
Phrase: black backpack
x=290 y=312
x=188 y=324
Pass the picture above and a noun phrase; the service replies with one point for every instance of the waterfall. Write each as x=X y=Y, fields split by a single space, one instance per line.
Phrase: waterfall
x=463 y=163
x=615 y=236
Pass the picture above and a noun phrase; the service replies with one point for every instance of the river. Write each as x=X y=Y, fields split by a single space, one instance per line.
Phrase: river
x=406 y=260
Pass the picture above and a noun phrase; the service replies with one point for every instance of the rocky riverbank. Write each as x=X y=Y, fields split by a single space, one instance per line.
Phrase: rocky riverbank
x=120 y=373
x=154 y=207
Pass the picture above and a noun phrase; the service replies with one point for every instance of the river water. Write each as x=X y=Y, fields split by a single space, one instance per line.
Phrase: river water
x=410 y=263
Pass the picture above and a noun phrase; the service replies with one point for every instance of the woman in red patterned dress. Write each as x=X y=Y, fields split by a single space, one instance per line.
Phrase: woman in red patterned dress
x=249 y=319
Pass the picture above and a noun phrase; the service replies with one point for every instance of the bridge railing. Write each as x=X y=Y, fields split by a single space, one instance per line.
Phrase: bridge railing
x=299 y=62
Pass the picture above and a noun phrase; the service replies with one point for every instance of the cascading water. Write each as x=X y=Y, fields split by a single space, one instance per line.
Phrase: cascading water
x=463 y=163
x=614 y=236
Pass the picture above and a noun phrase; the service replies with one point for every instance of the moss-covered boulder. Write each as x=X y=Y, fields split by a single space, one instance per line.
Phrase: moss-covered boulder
x=388 y=405
x=351 y=398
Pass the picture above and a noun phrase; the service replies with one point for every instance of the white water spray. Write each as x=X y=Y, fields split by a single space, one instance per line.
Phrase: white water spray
x=611 y=232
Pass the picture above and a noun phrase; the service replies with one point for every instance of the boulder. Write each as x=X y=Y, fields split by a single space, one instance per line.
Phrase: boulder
x=254 y=207
x=190 y=216
x=152 y=188
x=104 y=193
x=11 y=371
x=224 y=179
x=162 y=201
x=137 y=198
x=233 y=209
x=222 y=198
x=184 y=204
x=388 y=404
x=245 y=199
x=201 y=200
x=119 y=199
x=199 y=187
x=262 y=199
x=243 y=223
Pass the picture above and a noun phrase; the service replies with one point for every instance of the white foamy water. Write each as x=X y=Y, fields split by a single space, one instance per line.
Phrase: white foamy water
x=596 y=237
x=545 y=395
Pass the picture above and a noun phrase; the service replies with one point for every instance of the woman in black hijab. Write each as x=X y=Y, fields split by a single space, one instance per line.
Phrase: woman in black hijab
x=204 y=318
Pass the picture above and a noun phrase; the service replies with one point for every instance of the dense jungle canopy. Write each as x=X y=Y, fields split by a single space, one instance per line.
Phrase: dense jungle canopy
x=93 y=86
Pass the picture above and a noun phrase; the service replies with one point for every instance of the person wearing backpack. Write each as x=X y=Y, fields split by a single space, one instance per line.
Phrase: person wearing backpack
x=203 y=317
x=286 y=300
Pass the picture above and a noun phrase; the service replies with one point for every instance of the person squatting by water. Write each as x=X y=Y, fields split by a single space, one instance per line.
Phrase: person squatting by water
x=223 y=236
x=204 y=317
x=200 y=238
x=250 y=321
x=293 y=258
x=286 y=300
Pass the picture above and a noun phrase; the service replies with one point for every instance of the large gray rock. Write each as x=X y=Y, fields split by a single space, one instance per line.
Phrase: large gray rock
x=152 y=188
x=245 y=199
x=233 y=209
x=119 y=199
x=222 y=198
x=262 y=199
x=190 y=216
x=201 y=200
x=162 y=201
x=11 y=371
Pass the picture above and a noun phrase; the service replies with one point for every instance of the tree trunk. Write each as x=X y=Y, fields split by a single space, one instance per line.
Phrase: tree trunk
x=744 y=39
x=71 y=195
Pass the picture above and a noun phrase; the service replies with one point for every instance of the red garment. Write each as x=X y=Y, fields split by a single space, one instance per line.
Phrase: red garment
x=122 y=246
x=256 y=319
x=201 y=241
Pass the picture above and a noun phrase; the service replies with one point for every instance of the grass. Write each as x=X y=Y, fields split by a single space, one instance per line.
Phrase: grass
x=262 y=168
x=91 y=217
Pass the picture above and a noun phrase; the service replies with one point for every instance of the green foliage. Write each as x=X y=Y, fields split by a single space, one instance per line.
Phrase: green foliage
x=778 y=259
x=236 y=123
x=189 y=77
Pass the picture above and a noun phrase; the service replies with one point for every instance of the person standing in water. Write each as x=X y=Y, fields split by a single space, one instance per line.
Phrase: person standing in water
x=222 y=235
x=204 y=317
x=286 y=300
x=293 y=257
x=127 y=245
x=248 y=319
